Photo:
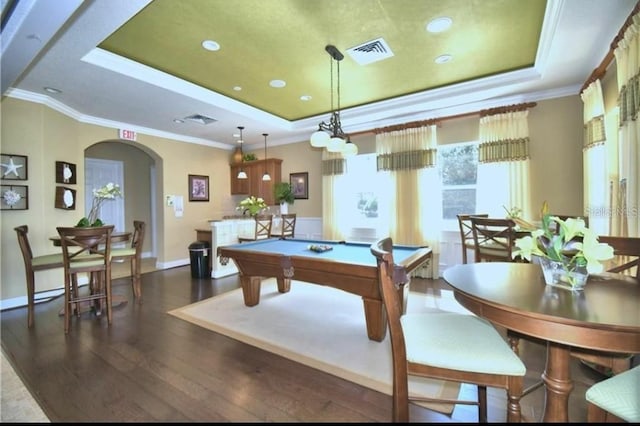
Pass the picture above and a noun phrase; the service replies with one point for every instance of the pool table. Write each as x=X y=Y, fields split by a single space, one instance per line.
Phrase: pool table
x=348 y=266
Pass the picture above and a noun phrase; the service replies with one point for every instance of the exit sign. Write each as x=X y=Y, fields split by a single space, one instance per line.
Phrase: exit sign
x=129 y=135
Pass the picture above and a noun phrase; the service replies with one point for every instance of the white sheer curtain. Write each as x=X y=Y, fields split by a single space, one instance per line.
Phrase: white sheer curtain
x=503 y=164
x=627 y=55
x=334 y=226
x=409 y=156
x=595 y=174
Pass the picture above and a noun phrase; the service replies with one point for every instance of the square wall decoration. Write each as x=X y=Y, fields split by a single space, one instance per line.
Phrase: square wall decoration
x=65 y=172
x=14 y=167
x=14 y=197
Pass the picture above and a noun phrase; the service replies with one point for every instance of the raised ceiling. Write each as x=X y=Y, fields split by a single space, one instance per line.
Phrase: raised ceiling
x=265 y=40
x=139 y=64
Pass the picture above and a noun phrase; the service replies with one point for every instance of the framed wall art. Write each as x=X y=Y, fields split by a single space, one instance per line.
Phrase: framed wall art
x=65 y=172
x=65 y=198
x=198 y=188
x=14 y=167
x=14 y=197
x=299 y=185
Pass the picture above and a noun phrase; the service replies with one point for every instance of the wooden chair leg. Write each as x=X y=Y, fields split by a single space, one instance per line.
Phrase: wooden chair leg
x=67 y=303
x=107 y=291
x=30 y=298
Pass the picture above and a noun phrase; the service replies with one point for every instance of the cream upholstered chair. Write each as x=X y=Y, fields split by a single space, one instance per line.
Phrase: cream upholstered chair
x=133 y=254
x=32 y=264
x=86 y=250
x=617 y=396
x=262 y=229
x=466 y=233
x=444 y=345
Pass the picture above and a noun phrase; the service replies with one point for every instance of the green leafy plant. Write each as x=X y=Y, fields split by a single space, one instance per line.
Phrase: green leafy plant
x=110 y=191
x=283 y=193
x=249 y=157
x=253 y=205
x=568 y=241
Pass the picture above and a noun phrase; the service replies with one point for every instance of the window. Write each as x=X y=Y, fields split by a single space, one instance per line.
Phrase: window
x=458 y=166
x=366 y=190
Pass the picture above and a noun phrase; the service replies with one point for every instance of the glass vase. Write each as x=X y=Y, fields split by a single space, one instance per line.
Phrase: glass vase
x=562 y=275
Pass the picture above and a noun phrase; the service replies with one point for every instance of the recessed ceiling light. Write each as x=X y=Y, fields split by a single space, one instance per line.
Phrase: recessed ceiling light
x=443 y=59
x=52 y=90
x=277 y=83
x=177 y=120
x=439 y=25
x=211 y=45
x=305 y=98
x=237 y=88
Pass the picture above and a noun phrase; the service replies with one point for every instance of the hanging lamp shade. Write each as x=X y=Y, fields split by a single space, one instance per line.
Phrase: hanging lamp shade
x=265 y=176
x=319 y=139
x=335 y=144
x=241 y=174
x=350 y=149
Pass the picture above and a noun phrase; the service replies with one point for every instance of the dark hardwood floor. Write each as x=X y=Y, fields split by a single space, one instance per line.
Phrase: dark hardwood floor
x=152 y=367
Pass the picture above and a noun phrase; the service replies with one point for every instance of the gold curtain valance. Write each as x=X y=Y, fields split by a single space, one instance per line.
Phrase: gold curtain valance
x=504 y=150
x=407 y=160
x=333 y=166
x=629 y=100
x=594 y=133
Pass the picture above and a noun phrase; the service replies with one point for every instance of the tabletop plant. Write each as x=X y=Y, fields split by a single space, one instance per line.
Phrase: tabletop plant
x=252 y=205
x=110 y=191
x=283 y=193
x=568 y=242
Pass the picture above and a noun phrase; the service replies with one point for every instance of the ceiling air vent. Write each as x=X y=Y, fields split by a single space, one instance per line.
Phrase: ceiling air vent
x=200 y=119
x=371 y=51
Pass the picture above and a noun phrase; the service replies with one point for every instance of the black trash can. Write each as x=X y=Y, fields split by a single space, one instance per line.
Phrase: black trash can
x=199 y=255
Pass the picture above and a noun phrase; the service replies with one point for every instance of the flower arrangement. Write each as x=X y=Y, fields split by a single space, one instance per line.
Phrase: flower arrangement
x=253 y=205
x=108 y=192
x=568 y=242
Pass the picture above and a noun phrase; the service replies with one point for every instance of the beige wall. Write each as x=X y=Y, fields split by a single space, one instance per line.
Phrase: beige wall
x=46 y=136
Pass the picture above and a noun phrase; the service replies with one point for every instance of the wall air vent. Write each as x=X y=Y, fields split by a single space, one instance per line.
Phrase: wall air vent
x=371 y=51
x=200 y=119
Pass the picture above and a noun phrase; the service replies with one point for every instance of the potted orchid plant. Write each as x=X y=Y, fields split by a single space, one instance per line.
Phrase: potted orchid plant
x=566 y=249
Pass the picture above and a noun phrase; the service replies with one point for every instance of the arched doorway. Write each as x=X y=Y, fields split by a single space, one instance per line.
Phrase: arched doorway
x=142 y=193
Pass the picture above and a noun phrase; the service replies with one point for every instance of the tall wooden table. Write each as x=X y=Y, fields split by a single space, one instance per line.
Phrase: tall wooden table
x=604 y=316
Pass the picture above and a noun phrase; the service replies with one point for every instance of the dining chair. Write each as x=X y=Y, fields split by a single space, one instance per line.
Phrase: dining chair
x=288 y=226
x=32 y=264
x=494 y=239
x=133 y=254
x=262 y=228
x=626 y=261
x=86 y=250
x=466 y=233
x=615 y=399
x=444 y=345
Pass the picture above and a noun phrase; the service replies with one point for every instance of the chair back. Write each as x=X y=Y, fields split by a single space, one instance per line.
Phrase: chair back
x=466 y=233
x=263 y=226
x=388 y=276
x=626 y=252
x=288 y=226
x=23 y=242
x=494 y=238
x=137 y=240
x=86 y=249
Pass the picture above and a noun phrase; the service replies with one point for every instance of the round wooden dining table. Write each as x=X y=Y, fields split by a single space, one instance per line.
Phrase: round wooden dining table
x=605 y=316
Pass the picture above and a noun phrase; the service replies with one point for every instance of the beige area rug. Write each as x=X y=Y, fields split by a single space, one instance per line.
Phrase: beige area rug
x=321 y=327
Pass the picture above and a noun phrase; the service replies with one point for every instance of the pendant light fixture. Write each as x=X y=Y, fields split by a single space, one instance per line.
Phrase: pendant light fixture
x=331 y=135
x=241 y=174
x=265 y=176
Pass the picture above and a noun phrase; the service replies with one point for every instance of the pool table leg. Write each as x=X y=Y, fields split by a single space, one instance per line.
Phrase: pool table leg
x=250 y=289
x=376 y=319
